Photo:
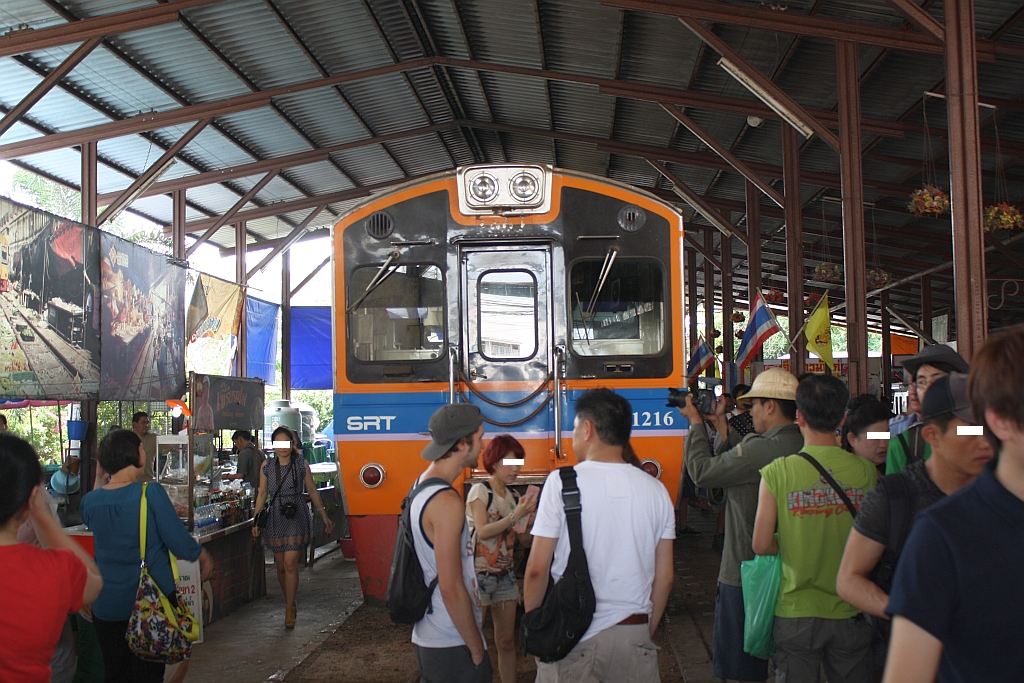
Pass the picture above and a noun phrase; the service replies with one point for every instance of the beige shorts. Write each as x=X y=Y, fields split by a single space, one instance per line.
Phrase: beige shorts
x=619 y=653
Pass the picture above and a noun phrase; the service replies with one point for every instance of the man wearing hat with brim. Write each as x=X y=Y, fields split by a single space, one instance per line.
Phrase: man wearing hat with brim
x=449 y=638
x=907 y=444
x=736 y=469
x=885 y=518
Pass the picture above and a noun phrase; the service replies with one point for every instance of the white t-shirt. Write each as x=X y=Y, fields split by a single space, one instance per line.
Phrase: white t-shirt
x=626 y=512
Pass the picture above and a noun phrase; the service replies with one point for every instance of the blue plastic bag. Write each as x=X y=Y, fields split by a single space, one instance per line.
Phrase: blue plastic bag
x=761 y=577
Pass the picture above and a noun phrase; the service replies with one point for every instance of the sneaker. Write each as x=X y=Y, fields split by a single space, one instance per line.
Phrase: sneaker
x=688 y=531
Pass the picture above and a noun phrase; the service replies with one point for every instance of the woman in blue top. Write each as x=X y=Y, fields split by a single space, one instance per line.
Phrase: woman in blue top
x=112 y=514
x=283 y=479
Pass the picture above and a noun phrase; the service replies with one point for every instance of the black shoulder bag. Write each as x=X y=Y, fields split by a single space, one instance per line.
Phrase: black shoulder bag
x=832 y=482
x=260 y=520
x=408 y=597
x=894 y=487
x=551 y=631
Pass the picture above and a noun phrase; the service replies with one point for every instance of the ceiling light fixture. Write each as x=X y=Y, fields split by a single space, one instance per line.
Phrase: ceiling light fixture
x=766 y=97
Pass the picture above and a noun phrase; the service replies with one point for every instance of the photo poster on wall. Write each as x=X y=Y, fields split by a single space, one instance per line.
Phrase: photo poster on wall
x=226 y=403
x=143 y=323
x=49 y=309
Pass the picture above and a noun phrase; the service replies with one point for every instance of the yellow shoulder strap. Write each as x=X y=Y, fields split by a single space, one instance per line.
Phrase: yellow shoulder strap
x=143 y=518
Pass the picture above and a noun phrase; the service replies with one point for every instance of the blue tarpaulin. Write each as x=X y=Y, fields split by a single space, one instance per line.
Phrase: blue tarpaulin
x=261 y=339
x=311 y=347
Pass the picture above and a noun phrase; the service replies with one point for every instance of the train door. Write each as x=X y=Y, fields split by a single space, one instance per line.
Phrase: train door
x=508 y=337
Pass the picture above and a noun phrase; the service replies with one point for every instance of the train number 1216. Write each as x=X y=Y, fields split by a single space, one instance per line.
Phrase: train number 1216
x=666 y=419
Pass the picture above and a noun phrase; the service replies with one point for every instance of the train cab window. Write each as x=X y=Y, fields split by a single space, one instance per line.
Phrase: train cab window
x=508 y=315
x=623 y=315
x=402 y=318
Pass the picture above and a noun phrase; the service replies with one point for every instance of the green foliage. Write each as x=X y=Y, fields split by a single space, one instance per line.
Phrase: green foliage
x=38 y=426
x=64 y=201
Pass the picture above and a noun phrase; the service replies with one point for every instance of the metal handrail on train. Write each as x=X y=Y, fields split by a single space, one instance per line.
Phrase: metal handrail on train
x=499 y=404
x=557 y=394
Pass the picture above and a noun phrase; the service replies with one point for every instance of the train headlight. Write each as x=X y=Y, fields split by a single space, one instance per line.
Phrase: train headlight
x=483 y=187
x=372 y=475
x=651 y=467
x=524 y=187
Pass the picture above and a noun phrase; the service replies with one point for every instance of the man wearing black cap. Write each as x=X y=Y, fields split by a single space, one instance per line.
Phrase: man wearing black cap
x=449 y=640
x=925 y=368
x=887 y=514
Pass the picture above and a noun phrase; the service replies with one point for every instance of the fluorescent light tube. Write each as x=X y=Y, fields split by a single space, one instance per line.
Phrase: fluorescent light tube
x=766 y=97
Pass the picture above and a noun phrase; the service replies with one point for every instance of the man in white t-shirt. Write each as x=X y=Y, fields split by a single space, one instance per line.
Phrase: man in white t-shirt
x=628 y=528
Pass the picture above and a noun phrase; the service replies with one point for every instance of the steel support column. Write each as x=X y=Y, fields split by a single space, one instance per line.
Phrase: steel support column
x=241 y=278
x=794 y=247
x=926 y=304
x=89 y=174
x=753 y=202
x=709 y=295
x=854 y=256
x=286 y=324
x=886 y=372
x=727 y=337
x=691 y=297
x=965 y=177
x=89 y=408
x=178 y=224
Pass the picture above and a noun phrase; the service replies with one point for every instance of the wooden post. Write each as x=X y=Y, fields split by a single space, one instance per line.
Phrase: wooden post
x=794 y=247
x=886 y=372
x=709 y=295
x=242 y=280
x=286 y=325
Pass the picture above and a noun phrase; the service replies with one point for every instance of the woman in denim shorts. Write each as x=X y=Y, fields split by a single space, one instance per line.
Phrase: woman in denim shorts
x=492 y=510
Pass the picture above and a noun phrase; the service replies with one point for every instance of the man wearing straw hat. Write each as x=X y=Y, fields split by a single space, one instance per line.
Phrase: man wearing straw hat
x=736 y=468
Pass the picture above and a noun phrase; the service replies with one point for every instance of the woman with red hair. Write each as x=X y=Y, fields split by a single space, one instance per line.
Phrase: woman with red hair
x=492 y=509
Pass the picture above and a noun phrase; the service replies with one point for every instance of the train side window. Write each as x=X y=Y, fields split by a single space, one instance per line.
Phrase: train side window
x=624 y=315
x=508 y=315
x=402 y=319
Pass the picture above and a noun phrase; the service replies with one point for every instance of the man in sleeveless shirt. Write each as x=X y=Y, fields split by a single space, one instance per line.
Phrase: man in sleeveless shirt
x=449 y=642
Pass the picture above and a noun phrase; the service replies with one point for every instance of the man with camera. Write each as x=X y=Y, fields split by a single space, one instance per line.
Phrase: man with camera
x=736 y=469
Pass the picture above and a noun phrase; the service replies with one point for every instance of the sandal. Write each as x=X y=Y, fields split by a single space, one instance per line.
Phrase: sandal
x=289 y=617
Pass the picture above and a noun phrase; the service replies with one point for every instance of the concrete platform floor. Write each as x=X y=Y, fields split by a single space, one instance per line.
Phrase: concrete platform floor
x=252 y=645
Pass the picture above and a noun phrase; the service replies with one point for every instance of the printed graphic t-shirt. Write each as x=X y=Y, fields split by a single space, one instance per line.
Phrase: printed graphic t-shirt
x=41 y=588
x=494 y=555
x=813 y=525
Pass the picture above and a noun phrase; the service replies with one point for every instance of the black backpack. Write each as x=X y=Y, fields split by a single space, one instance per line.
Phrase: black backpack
x=552 y=630
x=900 y=518
x=408 y=597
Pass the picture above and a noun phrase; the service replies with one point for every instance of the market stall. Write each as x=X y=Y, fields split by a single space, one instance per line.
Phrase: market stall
x=218 y=512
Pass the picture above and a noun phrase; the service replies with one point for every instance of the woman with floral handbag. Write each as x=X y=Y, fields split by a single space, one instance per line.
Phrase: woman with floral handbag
x=114 y=513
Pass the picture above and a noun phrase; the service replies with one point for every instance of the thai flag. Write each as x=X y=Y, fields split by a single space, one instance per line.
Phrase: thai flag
x=762 y=325
x=701 y=358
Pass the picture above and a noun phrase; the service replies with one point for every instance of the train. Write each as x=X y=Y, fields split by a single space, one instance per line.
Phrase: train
x=513 y=287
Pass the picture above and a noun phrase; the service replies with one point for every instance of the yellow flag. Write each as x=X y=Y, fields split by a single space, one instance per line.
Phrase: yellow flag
x=819 y=333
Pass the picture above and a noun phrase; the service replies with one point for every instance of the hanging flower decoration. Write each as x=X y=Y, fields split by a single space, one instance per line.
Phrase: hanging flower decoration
x=811 y=301
x=877 y=278
x=929 y=201
x=737 y=317
x=774 y=297
x=719 y=349
x=829 y=272
x=739 y=334
x=715 y=334
x=1003 y=216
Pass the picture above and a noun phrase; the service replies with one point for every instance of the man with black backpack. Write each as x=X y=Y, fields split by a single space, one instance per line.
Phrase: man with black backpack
x=885 y=518
x=627 y=528
x=449 y=642
x=811 y=498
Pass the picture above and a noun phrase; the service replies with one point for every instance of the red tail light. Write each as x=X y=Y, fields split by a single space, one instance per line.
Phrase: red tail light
x=651 y=467
x=372 y=475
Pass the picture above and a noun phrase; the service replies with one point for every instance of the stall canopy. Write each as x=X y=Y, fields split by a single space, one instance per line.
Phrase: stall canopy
x=261 y=339
x=311 y=347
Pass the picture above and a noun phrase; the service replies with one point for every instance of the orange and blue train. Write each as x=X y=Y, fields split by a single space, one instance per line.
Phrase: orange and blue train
x=513 y=287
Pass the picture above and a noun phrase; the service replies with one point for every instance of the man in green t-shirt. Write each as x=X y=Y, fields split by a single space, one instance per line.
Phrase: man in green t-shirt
x=907 y=444
x=813 y=626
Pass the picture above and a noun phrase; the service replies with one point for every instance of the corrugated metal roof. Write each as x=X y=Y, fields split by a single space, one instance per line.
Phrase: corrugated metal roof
x=233 y=47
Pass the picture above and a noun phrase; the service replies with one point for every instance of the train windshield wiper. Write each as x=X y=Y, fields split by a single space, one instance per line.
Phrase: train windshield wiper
x=606 y=268
x=383 y=274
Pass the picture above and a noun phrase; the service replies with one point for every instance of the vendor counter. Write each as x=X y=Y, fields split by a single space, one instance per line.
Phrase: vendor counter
x=238 y=568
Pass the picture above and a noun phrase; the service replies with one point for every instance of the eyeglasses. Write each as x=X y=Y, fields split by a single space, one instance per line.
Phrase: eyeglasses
x=923 y=383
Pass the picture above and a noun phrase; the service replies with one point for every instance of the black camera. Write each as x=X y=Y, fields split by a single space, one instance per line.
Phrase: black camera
x=703 y=400
x=289 y=510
